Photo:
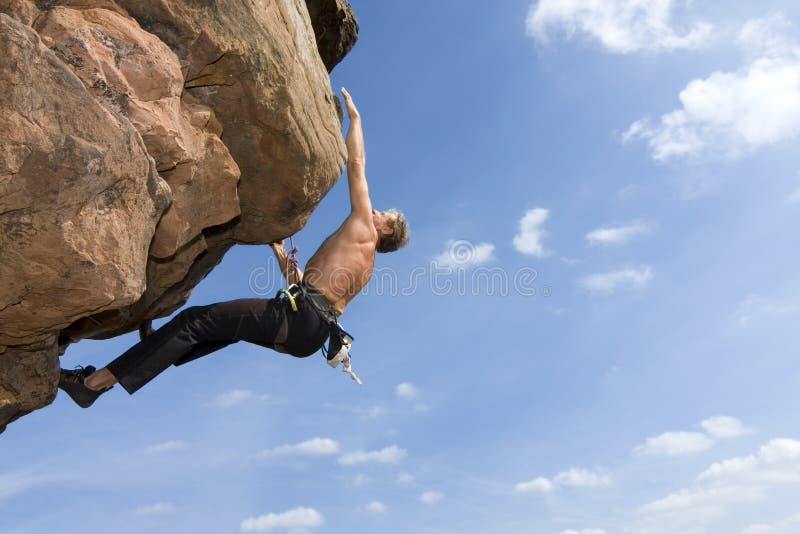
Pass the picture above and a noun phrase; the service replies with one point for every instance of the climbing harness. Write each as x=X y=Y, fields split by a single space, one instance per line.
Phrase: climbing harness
x=289 y=296
x=339 y=341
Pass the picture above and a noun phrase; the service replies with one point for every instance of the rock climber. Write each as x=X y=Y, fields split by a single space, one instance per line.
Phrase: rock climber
x=297 y=321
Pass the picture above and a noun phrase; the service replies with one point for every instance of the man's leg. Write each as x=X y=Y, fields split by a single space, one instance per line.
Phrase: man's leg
x=193 y=333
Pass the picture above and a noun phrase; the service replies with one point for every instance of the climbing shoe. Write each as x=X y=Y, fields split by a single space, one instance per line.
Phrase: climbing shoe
x=72 y=383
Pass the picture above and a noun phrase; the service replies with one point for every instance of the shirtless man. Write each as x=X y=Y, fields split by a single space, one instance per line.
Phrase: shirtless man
x=297 y=322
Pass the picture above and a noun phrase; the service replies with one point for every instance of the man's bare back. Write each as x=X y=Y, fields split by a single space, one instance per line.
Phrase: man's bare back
x=342 y=265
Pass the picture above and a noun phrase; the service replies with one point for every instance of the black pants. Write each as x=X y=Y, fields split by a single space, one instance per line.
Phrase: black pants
x=201 y=330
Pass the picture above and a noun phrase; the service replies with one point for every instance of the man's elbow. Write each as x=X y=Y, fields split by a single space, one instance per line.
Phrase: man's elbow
x=356 y=164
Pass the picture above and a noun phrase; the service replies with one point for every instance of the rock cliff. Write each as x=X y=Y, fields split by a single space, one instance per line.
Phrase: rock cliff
x=139 y=141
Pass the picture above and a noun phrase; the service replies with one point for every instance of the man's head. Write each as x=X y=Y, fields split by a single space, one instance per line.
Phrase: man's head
x=392 y=230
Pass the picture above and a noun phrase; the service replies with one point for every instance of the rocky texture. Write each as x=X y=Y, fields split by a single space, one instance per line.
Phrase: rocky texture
x=79 y=196
x=335 y=28
x=133 y=73
x=249 y=62
x=114 y=107
x=30 y=377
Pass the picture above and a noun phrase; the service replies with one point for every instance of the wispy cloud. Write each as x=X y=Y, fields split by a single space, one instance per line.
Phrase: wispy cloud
x=405 y=478
x=12 y=484
x=621 y=26
x=363 y=412
x=166 y=446
x=608 y=283
x=616 y=235
x=233 y=398
x=156 y=509
x=376 y=507
x=406 y=390
x=770 y=36
x=755 y=307
x=530 y=235
x=729 y=113
x=295 y=520
x=462 y=253
x=584 y=531
x=573 y=478
x=388 y=455
x=311 y=447
x=431 y=497
x=675 y=444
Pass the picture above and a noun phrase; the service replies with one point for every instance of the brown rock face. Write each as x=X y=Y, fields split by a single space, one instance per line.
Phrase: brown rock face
x=79 y=195
x=113 y=108
x=133 y=73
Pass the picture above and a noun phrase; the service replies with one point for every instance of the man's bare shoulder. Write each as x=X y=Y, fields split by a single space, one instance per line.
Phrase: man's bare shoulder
x=358 y=227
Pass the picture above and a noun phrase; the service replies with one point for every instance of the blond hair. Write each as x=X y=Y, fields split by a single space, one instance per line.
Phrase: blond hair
x=398 y=238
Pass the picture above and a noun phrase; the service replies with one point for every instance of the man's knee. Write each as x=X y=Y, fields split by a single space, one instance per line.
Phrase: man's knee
x=190 y=314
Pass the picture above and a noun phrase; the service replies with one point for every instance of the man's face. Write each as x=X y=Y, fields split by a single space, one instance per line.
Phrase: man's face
x=382 y=220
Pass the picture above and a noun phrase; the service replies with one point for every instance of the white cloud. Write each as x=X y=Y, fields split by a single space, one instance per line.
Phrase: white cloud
x=405 y=478
x=610 y=282
x=529 y=238
x=676 y=444
x=537 y=485
x=719 y=490
x=376 y=507
x=167 y=446
x=581 y=478
x=462 y=253
x=768 y=36
x=708 y=499
x=431 y=497
x=406 y=390
x=790 y=525
x=156 y=509
x=575 y=478
x=794 y=197
x=311 y=447
x=232 y=398
x=388 y=455
x=723 y=427
x=584 y=531
x=294 y=520
x=776 y=462
x=730 y=113
x=616 y=235
x=621 y=26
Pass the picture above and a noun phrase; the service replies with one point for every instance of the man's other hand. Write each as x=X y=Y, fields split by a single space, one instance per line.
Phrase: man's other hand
x=352 y=112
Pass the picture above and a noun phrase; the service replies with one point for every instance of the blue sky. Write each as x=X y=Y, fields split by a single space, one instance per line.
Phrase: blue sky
x=630 y=171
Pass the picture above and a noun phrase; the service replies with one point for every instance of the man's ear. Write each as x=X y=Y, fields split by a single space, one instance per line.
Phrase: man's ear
x=387 y=230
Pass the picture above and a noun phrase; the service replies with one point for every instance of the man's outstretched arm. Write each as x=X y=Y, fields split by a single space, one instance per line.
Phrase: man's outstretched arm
x=360 y=204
